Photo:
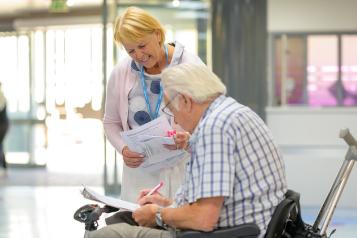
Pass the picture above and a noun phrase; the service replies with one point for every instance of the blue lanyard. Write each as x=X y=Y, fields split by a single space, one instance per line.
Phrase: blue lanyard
x=143 y=84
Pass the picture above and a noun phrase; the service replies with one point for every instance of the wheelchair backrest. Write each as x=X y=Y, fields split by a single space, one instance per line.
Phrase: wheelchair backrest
x=287 y=209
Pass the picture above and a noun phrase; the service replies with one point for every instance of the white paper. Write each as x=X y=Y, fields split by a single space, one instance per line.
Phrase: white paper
x=113 y=202
x=163 y=140
x=149 y=139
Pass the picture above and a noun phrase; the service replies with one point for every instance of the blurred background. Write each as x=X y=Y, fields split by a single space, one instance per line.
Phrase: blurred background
x=293 y=62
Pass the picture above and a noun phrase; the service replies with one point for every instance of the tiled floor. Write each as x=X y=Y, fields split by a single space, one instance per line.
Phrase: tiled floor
x=38 y=203
x=39 y=212
x=44 y=177
x=47 y=212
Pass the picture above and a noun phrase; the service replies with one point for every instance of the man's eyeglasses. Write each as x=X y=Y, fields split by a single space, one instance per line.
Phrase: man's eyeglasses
x=166 y=110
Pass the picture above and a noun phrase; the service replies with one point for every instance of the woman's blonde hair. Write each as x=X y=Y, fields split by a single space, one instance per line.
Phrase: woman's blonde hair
x=134 y=24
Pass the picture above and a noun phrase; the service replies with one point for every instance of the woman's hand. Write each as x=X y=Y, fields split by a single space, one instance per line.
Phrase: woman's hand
x=145 y=216
x=132 y=159
x=155 y=198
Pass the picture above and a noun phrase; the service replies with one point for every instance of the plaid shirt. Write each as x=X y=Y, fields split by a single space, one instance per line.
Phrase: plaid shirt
x=233 y=155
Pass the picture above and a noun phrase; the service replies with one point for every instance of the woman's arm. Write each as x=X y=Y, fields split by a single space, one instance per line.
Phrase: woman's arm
x=112 y=122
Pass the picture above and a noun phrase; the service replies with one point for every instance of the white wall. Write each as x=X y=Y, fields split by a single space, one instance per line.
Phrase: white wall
x=313 y=152
x=312 y=15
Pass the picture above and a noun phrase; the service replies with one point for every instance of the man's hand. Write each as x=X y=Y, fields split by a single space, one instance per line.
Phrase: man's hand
x=145 y=216
x=155 y=198
x=132 y=159
x=181 y=141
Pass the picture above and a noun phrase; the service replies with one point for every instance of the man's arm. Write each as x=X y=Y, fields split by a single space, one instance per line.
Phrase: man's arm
x=202 y=215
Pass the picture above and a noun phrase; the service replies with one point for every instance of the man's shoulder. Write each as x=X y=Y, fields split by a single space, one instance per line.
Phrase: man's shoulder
x=228 y=109
x=228 y=115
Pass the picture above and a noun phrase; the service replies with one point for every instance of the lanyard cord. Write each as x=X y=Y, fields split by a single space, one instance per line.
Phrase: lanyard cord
x=143 y=84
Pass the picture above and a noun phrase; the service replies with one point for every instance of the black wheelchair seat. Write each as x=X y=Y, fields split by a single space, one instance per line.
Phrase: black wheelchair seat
x=249 y=230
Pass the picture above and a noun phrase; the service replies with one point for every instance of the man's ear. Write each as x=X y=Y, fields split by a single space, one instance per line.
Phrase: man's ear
x=187 y=102
x=166 y=97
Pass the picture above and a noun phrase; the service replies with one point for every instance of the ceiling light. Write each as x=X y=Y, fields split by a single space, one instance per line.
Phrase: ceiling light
x=59 y=6
x=70 y=3
x=176 y=3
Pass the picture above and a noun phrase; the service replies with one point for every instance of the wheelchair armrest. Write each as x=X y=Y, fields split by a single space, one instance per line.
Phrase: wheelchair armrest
x=249 y=230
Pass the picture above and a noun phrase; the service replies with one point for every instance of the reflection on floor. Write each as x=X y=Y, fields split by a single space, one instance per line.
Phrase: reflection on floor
x=39 y=212
x=47 y=212
x=43 y=177
x=38 y=203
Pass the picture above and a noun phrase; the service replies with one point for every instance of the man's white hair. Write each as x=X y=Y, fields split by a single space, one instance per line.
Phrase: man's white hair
x=193 y=80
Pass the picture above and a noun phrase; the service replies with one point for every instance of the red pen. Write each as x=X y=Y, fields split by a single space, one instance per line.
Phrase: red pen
x=155 y=189
x=171 y=133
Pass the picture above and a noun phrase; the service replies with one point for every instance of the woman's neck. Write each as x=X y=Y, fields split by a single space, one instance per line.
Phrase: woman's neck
x=162 y=63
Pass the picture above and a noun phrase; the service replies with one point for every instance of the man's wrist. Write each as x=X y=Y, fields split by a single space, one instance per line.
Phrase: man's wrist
x=159 y=220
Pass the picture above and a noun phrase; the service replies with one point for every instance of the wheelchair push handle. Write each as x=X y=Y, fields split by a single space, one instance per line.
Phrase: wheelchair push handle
x=348 y=137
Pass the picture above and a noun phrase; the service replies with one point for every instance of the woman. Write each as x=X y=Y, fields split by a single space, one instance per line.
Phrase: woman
x=4 y=125
x=134 y=95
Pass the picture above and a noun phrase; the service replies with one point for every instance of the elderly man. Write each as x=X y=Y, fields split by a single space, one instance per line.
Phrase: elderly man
x=235 y=175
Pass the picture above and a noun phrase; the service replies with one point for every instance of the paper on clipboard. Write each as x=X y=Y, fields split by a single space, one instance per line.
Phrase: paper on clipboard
x=113 y=202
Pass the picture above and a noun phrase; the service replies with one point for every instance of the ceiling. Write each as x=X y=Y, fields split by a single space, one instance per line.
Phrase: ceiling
x=12 y=12
x=14 y=8
x=18 y=7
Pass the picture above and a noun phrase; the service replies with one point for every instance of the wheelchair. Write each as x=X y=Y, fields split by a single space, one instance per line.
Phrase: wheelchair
x=286 y=221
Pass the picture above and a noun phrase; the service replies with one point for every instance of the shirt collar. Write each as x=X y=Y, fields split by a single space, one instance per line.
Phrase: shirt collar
x=216 y=102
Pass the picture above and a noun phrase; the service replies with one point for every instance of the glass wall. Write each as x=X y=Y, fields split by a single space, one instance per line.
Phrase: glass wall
x=322 y=70
x=349 y=69
x=293 y=67
x=53 y=83
x=16 y=84
x=315 y=69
